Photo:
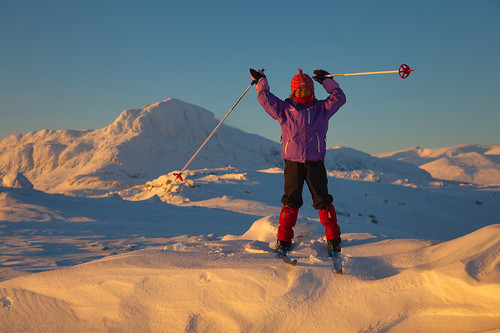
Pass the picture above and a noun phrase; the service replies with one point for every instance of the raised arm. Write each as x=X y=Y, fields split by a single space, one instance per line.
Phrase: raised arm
x=271 y=104
x=336 y=96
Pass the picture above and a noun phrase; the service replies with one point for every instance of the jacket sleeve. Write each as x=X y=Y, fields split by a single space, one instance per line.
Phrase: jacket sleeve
x=272 y=105
x=336 y=99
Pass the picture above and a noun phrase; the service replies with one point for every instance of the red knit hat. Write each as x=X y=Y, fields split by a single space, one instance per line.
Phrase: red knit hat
x=301 y=80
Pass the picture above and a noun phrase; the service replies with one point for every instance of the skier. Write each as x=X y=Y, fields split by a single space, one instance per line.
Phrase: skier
x=304 y=123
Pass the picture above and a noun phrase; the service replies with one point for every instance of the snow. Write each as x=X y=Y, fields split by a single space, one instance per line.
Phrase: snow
x=96 y=235
x=141 y=144
x=16 y=180
x=478 y=164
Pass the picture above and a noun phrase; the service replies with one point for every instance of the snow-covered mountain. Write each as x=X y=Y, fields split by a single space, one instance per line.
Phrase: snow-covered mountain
x=141 y=144
x=477 y=164
x=349 y=163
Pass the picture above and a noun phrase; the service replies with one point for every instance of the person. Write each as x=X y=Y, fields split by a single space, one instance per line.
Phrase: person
x=304 y=124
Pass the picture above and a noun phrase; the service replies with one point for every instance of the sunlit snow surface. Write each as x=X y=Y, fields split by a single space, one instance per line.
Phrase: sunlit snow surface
x=127 y=248
x=198 y=256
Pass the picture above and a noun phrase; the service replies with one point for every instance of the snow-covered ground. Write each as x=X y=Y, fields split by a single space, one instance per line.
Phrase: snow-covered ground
x=128 y=249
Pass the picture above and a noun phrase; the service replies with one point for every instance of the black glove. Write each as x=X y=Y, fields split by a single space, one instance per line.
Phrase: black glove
x=256 y=75
x=320 y=75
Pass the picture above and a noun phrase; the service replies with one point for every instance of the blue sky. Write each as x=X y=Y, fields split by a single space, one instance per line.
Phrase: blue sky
x=79 y=64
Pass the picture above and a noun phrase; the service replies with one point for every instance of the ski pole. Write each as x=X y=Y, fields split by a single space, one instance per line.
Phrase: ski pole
x=404 y=72
x=179 y=175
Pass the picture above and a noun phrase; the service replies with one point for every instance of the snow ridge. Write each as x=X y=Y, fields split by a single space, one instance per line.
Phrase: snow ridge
x=477 y=164
x=353 y=164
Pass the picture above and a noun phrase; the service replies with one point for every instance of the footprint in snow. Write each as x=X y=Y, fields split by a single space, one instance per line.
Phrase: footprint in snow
x=5 y=303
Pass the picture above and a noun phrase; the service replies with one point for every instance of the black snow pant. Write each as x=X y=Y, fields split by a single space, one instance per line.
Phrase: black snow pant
x=314 y=174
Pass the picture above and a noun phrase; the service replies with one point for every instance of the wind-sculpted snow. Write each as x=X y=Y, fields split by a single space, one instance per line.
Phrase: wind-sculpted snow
x=238 y=284
x=198 y=256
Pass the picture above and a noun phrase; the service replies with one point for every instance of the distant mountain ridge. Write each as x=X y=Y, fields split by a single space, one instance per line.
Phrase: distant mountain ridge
x=477 y=164
x=343 y=162
x=146 y=143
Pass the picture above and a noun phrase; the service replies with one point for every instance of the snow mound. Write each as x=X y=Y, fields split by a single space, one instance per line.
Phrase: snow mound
x=263 y=230
x=220 y=188
x=16 y=180
x=477 y=164
x=478 y=251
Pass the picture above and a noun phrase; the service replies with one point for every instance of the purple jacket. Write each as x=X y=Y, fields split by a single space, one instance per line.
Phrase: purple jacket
x=303 y=126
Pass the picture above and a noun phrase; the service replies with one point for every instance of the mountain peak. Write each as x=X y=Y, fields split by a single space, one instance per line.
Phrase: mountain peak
x=141 y=144
x=171 y=119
